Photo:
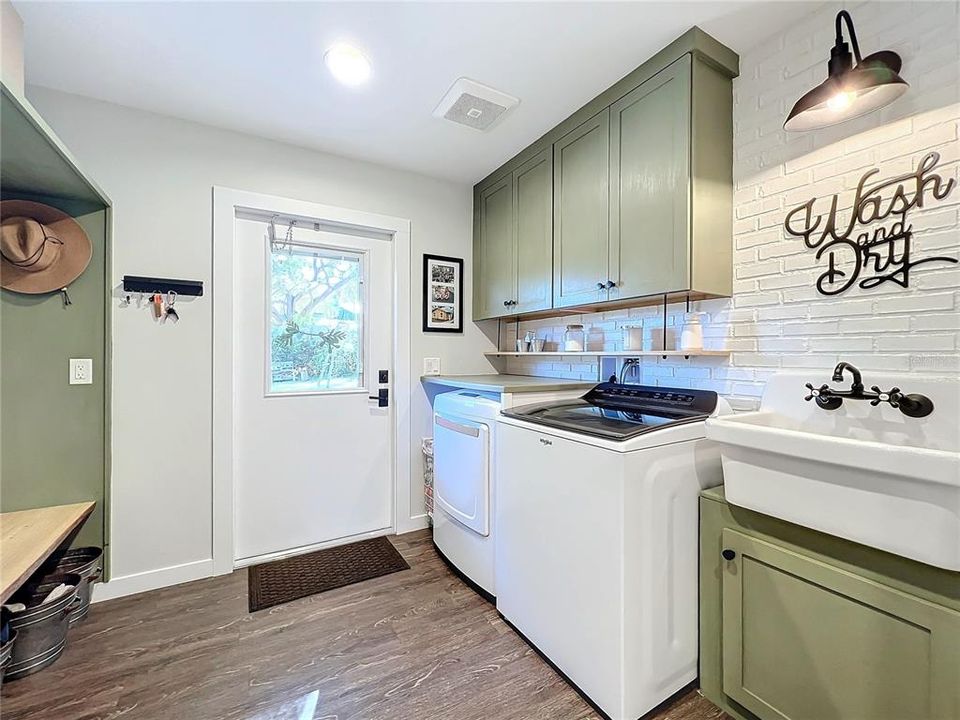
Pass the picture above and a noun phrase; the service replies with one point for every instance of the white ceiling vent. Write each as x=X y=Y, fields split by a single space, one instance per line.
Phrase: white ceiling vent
x=473 y=104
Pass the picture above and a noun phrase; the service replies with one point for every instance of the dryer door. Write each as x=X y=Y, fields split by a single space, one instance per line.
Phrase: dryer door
x=461 y=470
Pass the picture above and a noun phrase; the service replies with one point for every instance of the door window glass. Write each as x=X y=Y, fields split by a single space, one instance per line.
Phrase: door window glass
x=316 y=319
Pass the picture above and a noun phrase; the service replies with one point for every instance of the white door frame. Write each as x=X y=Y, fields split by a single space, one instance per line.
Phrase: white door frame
x=226 y=201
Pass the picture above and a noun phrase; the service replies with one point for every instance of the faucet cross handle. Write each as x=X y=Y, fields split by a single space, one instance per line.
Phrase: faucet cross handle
x=893 y=397
x=815 y=392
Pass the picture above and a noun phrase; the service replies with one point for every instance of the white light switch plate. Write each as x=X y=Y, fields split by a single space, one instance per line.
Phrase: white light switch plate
x=81 y=371
x=431 y=366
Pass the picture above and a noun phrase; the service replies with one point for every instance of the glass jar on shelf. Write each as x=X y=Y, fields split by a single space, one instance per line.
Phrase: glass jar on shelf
x=691 y=337
x=574 y=339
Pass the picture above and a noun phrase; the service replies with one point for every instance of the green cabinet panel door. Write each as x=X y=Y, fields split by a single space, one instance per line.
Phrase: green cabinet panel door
x=496 y=252
x=533 y=210
x=650 y=186
x=805 y=640
x=581 y=176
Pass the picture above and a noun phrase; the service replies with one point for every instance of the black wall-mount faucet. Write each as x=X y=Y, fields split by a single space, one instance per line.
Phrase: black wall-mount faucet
x=913 y=405
x=857 y=377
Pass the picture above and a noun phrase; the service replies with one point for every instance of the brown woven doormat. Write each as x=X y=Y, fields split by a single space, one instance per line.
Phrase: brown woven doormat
x=296 y=577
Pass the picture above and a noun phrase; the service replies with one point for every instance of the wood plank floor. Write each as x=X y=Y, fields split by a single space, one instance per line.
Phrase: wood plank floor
x=418 y=644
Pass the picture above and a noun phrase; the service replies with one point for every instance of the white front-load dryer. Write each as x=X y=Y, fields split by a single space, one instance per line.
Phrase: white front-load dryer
x=464 y=483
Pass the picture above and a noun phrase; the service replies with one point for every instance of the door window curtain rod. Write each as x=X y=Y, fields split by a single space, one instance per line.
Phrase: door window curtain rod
x=282 y=222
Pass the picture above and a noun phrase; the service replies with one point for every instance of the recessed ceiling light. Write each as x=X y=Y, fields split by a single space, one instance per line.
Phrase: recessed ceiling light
x=347 y=64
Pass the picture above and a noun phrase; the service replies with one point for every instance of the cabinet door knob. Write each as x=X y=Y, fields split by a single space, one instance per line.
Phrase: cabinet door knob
x=611 y=284
x=728 y=554
x=601 y=286
x=506 y=303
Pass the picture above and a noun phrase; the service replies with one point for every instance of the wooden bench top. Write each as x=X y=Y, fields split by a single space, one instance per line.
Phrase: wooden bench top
x=28 y=537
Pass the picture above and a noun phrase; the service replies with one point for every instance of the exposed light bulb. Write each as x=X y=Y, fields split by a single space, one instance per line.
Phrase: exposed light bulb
x=347 y=64
x=840 y=101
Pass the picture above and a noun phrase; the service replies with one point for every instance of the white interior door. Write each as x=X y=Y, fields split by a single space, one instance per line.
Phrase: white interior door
x=313 y=454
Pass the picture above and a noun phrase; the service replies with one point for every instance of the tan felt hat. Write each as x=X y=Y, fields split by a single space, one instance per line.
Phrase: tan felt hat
x=42 y=249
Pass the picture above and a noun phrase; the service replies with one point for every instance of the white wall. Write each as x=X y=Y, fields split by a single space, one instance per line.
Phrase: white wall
x=11 y=47
x=776 y=318
x=159 y=172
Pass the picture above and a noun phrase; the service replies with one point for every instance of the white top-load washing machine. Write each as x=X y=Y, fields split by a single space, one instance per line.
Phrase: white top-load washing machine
x=464 y=432
x=597 y=537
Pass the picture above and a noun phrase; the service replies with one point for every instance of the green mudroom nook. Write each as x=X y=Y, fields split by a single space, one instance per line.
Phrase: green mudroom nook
x=54 y=418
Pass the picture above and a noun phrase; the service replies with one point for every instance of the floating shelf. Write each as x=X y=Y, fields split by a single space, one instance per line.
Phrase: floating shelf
x=612 y=353
x=36 y=162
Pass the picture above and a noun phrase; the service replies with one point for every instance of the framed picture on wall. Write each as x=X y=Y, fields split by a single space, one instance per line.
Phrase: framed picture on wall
x=442 y=294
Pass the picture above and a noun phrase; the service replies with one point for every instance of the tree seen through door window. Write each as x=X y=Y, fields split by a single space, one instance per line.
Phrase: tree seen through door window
x=316 y=319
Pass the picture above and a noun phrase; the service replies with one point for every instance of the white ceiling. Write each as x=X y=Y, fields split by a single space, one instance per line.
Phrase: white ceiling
x=257 y=67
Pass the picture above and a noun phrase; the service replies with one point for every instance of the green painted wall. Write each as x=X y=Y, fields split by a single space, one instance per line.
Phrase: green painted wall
x=52 y=434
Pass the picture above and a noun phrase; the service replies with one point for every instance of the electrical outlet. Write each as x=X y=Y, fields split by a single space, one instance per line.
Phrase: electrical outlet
x=431 y=366
x=81 y=371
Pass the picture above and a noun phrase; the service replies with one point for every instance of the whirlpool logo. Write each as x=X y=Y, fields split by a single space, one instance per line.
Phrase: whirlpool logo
x=544 y=441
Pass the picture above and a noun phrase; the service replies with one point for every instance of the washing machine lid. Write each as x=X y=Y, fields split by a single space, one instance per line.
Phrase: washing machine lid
x=620 y=412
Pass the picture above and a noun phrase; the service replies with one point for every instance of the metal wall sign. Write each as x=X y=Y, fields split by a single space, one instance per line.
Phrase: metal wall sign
x=874 y=245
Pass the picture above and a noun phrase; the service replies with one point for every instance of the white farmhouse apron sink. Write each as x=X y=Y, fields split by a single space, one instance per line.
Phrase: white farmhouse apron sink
x=867 y=474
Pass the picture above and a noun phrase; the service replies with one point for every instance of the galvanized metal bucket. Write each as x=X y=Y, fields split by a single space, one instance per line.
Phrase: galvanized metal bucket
x=87 y=563
x=41 y=629
x=6 y=651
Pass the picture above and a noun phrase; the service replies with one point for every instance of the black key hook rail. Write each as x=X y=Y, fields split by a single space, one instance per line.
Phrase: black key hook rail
x=153 y=285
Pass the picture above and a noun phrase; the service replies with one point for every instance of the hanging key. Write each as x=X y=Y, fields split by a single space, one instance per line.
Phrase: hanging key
x=171 y=312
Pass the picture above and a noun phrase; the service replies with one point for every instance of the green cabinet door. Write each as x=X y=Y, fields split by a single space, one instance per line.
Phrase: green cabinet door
x=533 y=232
x=581 y=169
x=804 y=640
x=497 y=274
x=650 y=185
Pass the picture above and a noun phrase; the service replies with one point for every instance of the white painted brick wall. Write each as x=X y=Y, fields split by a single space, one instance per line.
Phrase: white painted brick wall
x=776 y=319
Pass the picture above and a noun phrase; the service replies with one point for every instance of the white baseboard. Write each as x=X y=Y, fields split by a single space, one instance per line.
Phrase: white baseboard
x=176 y=574
x=152 y=580
x=293 y=552
x=417 y=522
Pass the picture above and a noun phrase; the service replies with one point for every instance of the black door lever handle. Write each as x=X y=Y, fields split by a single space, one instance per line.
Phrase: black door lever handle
x=382 y=397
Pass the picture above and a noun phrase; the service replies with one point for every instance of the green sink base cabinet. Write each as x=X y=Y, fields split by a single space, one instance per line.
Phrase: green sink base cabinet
x=799 y=625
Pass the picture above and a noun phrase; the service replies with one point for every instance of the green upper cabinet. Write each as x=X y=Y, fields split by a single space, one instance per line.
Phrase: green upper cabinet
x=496 y=251
x=650 y=186
x=641 y=193
x=533 y=232
x=581 y=171
x=514 y=231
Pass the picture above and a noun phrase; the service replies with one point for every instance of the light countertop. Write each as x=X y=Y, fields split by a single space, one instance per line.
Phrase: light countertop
x=507 y=383
x=27 y=537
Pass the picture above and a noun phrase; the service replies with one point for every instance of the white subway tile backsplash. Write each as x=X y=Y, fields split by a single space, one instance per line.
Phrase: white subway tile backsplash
x=874 y=324
x=841 y=309
x=936 y=321
x=915 y=303
x=810 y=361
x=841 y=343
x=918 y=342
x=820 y=327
